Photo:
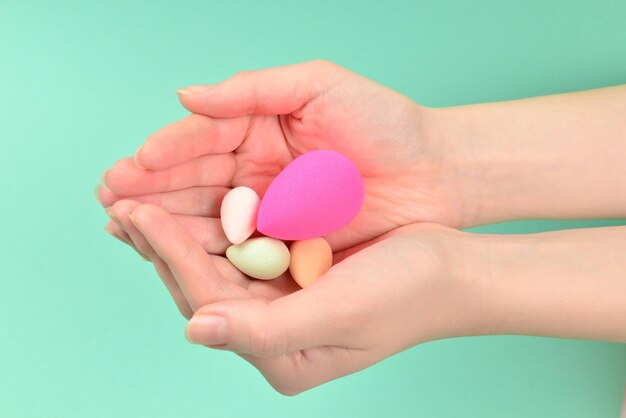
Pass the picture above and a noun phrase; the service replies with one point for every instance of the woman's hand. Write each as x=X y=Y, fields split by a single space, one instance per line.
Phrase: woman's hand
x=245 y=130
x=379 y=298
x=416 y=283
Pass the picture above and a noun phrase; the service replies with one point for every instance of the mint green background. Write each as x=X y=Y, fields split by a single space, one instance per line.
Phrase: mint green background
x=87 y=330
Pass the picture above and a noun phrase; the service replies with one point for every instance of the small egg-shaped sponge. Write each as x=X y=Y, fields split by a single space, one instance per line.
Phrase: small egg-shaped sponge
x=239 y=213
x=317 y=193
x=310 y=259
x=262 y=258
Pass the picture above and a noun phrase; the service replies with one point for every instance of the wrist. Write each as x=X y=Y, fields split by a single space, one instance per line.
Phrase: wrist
x=479 y=171
x=472 y=262
x=467 y=165
x=486 y=271
x=565 y=284
x=453 y=304
x=493 y=271
x=552 y=157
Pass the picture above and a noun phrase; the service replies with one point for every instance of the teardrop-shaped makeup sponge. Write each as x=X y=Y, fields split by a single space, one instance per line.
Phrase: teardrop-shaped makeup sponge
x=310 y=259
x=239 y=213
x=262 y=257
x=317 y=193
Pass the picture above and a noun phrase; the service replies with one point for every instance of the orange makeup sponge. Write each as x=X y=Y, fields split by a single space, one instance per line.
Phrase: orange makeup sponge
x=310 y=259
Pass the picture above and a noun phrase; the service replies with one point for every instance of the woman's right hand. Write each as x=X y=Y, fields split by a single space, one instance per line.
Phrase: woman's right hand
x=381 y=297
x=416 y=283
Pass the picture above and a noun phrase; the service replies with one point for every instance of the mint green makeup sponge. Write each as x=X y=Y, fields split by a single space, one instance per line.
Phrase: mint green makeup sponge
x=262 y=258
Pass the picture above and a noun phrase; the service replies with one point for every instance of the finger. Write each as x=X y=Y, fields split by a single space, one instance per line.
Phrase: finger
x=125 y=178
x=116 y=226
x=195 y=271
x=112 y=228
x=208 y=232
x=198 y=201
x=172 y=287
x=105 y=196
x=194 y=225
x=272 y=91
x=119 y=213
x=191 y=137
x=313 y=317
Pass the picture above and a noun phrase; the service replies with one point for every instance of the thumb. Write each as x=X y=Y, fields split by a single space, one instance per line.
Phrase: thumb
x=311 y=317
x=271 y=91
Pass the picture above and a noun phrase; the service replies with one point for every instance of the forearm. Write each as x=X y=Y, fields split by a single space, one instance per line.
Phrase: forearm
x=569 y=284
x=560 y=156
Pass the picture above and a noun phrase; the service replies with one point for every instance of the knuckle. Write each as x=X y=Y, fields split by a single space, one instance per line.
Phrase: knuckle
x=121 y=208
x=142 y=211
x=184 y=254
x=243 y=82
x=269 y=337
x=261 y=342
x=221 y=288
x=196 y=124
x=207 y=238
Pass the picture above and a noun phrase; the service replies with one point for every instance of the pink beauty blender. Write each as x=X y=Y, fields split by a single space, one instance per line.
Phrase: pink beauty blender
x=317 y=193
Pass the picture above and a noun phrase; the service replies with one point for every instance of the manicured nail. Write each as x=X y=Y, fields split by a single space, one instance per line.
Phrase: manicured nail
x=200 y=89
x=207 y=330
x=103 y=179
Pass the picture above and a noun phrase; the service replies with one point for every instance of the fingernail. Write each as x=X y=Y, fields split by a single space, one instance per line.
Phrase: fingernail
x=207 y=330
x=96 y=193
x=109 y=230
x=136 y=159
x=114 y=235
x=115 y=219
x=118 y=238
x=103 y=179
x=200 y=89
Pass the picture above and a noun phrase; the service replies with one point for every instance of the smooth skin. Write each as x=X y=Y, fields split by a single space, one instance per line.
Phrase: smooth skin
x=458 y=167
x=245 y=130
x=280 y=328
x=417 y=283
